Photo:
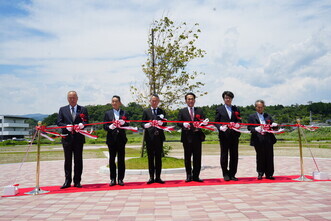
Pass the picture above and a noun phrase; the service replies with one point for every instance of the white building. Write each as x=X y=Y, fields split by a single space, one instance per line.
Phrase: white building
x=13 y=126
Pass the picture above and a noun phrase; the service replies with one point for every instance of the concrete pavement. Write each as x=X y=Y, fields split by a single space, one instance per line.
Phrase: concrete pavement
x=267 y=201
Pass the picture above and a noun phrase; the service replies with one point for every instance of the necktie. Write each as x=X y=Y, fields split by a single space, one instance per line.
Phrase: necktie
x=73 y=114
x=154 y=110
x=191 y=113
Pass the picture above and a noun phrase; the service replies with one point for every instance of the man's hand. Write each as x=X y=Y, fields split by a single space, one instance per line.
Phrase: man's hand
x=223 y=128
x=258 y=129
x=186 y=125
x=205 y=122
x=69 y=127
x=81 y=125
x=147 y=125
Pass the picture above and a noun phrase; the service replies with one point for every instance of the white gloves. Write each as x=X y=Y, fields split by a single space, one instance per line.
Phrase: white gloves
x=69 y=127
x=161 y=116
x=223 y=128
x=205 y=122
x=274 y=125
x=147 y=125
x=81 y=125
x=159 y=122
x=186 y=125
x=75 y=127
x=258 y=129
x=120 y=122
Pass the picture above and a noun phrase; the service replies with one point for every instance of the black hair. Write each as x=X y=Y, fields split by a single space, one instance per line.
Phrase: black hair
x=118 y=97
x=228 y=93
x=155 y=95
x=190 y=93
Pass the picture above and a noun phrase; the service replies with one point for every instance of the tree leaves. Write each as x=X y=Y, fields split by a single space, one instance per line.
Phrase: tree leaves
x=173 y=50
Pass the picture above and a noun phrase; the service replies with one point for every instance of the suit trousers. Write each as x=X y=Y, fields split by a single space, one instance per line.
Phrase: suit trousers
x=193 y=148
x=264 y=158
x=229 y=145
x=77 y=150
x=154 y=151
x=117 y=148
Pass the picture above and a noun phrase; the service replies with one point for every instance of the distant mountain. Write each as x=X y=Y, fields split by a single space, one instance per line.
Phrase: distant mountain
x=38 y=117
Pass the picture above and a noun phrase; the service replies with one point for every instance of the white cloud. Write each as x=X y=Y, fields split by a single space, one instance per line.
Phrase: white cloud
x=277 y=51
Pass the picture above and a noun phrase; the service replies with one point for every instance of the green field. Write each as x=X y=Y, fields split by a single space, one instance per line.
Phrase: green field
x=319 y=141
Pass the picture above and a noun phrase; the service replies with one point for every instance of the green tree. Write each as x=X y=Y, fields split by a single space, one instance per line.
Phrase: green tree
x=50 y=120
x=171 y=48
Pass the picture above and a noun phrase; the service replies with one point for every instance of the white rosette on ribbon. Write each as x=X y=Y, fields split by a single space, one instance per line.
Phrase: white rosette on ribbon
x=118 y=124
x=266 y=128
x=155 y=123
x=236 y=127
x=79 y=129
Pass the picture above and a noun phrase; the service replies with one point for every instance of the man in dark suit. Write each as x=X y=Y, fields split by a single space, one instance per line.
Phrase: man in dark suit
x=154 y=138
x=262 y=141
x=191 y=137
x=229 y=139
x=74 y=117
x=116 y=140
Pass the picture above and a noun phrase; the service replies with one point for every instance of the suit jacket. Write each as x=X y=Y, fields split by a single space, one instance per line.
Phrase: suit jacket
x=223 y=116
x=64 y=118
x=257 y=138
x=188 y=134
x=152 y=132
x=116 y=134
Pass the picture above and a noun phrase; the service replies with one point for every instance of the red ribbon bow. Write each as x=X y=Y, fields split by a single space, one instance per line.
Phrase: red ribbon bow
x=83 y=117
x=237 y=114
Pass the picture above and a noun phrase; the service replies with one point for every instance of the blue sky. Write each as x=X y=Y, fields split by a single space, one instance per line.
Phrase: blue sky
x=276 y=50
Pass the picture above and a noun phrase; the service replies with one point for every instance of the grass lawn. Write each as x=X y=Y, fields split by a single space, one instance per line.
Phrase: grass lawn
x=142 y=163
x=16 y=154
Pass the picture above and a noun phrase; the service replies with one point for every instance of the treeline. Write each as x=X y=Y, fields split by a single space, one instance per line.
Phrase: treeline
x=281 y=114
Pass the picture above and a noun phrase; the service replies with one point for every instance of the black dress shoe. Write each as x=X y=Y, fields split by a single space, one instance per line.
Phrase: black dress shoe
x=259 y=177
x=233 y=178
x=78 y=185
x=150 y=181
x=120 y=182
x=65 y=185
x=158 y=180
x=197 y=179
x=270 y=177
x=112 y=183
x=226 y=178
x=188 y=178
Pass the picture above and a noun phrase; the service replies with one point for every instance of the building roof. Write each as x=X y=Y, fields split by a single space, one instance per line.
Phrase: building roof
x=13 y=116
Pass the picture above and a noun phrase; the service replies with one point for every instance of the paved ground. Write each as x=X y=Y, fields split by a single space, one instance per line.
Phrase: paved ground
x=273 y=201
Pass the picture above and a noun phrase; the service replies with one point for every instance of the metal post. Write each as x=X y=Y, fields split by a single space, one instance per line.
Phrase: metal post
x=302 y=176
x=143 y=147
x=37 y=190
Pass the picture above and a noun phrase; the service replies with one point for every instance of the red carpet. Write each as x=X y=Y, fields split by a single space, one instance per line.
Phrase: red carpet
x=170 y=183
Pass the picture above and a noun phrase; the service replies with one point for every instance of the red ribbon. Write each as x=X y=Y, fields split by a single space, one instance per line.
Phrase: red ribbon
x=154 y=123
x=117 y=124
x=45 y=131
